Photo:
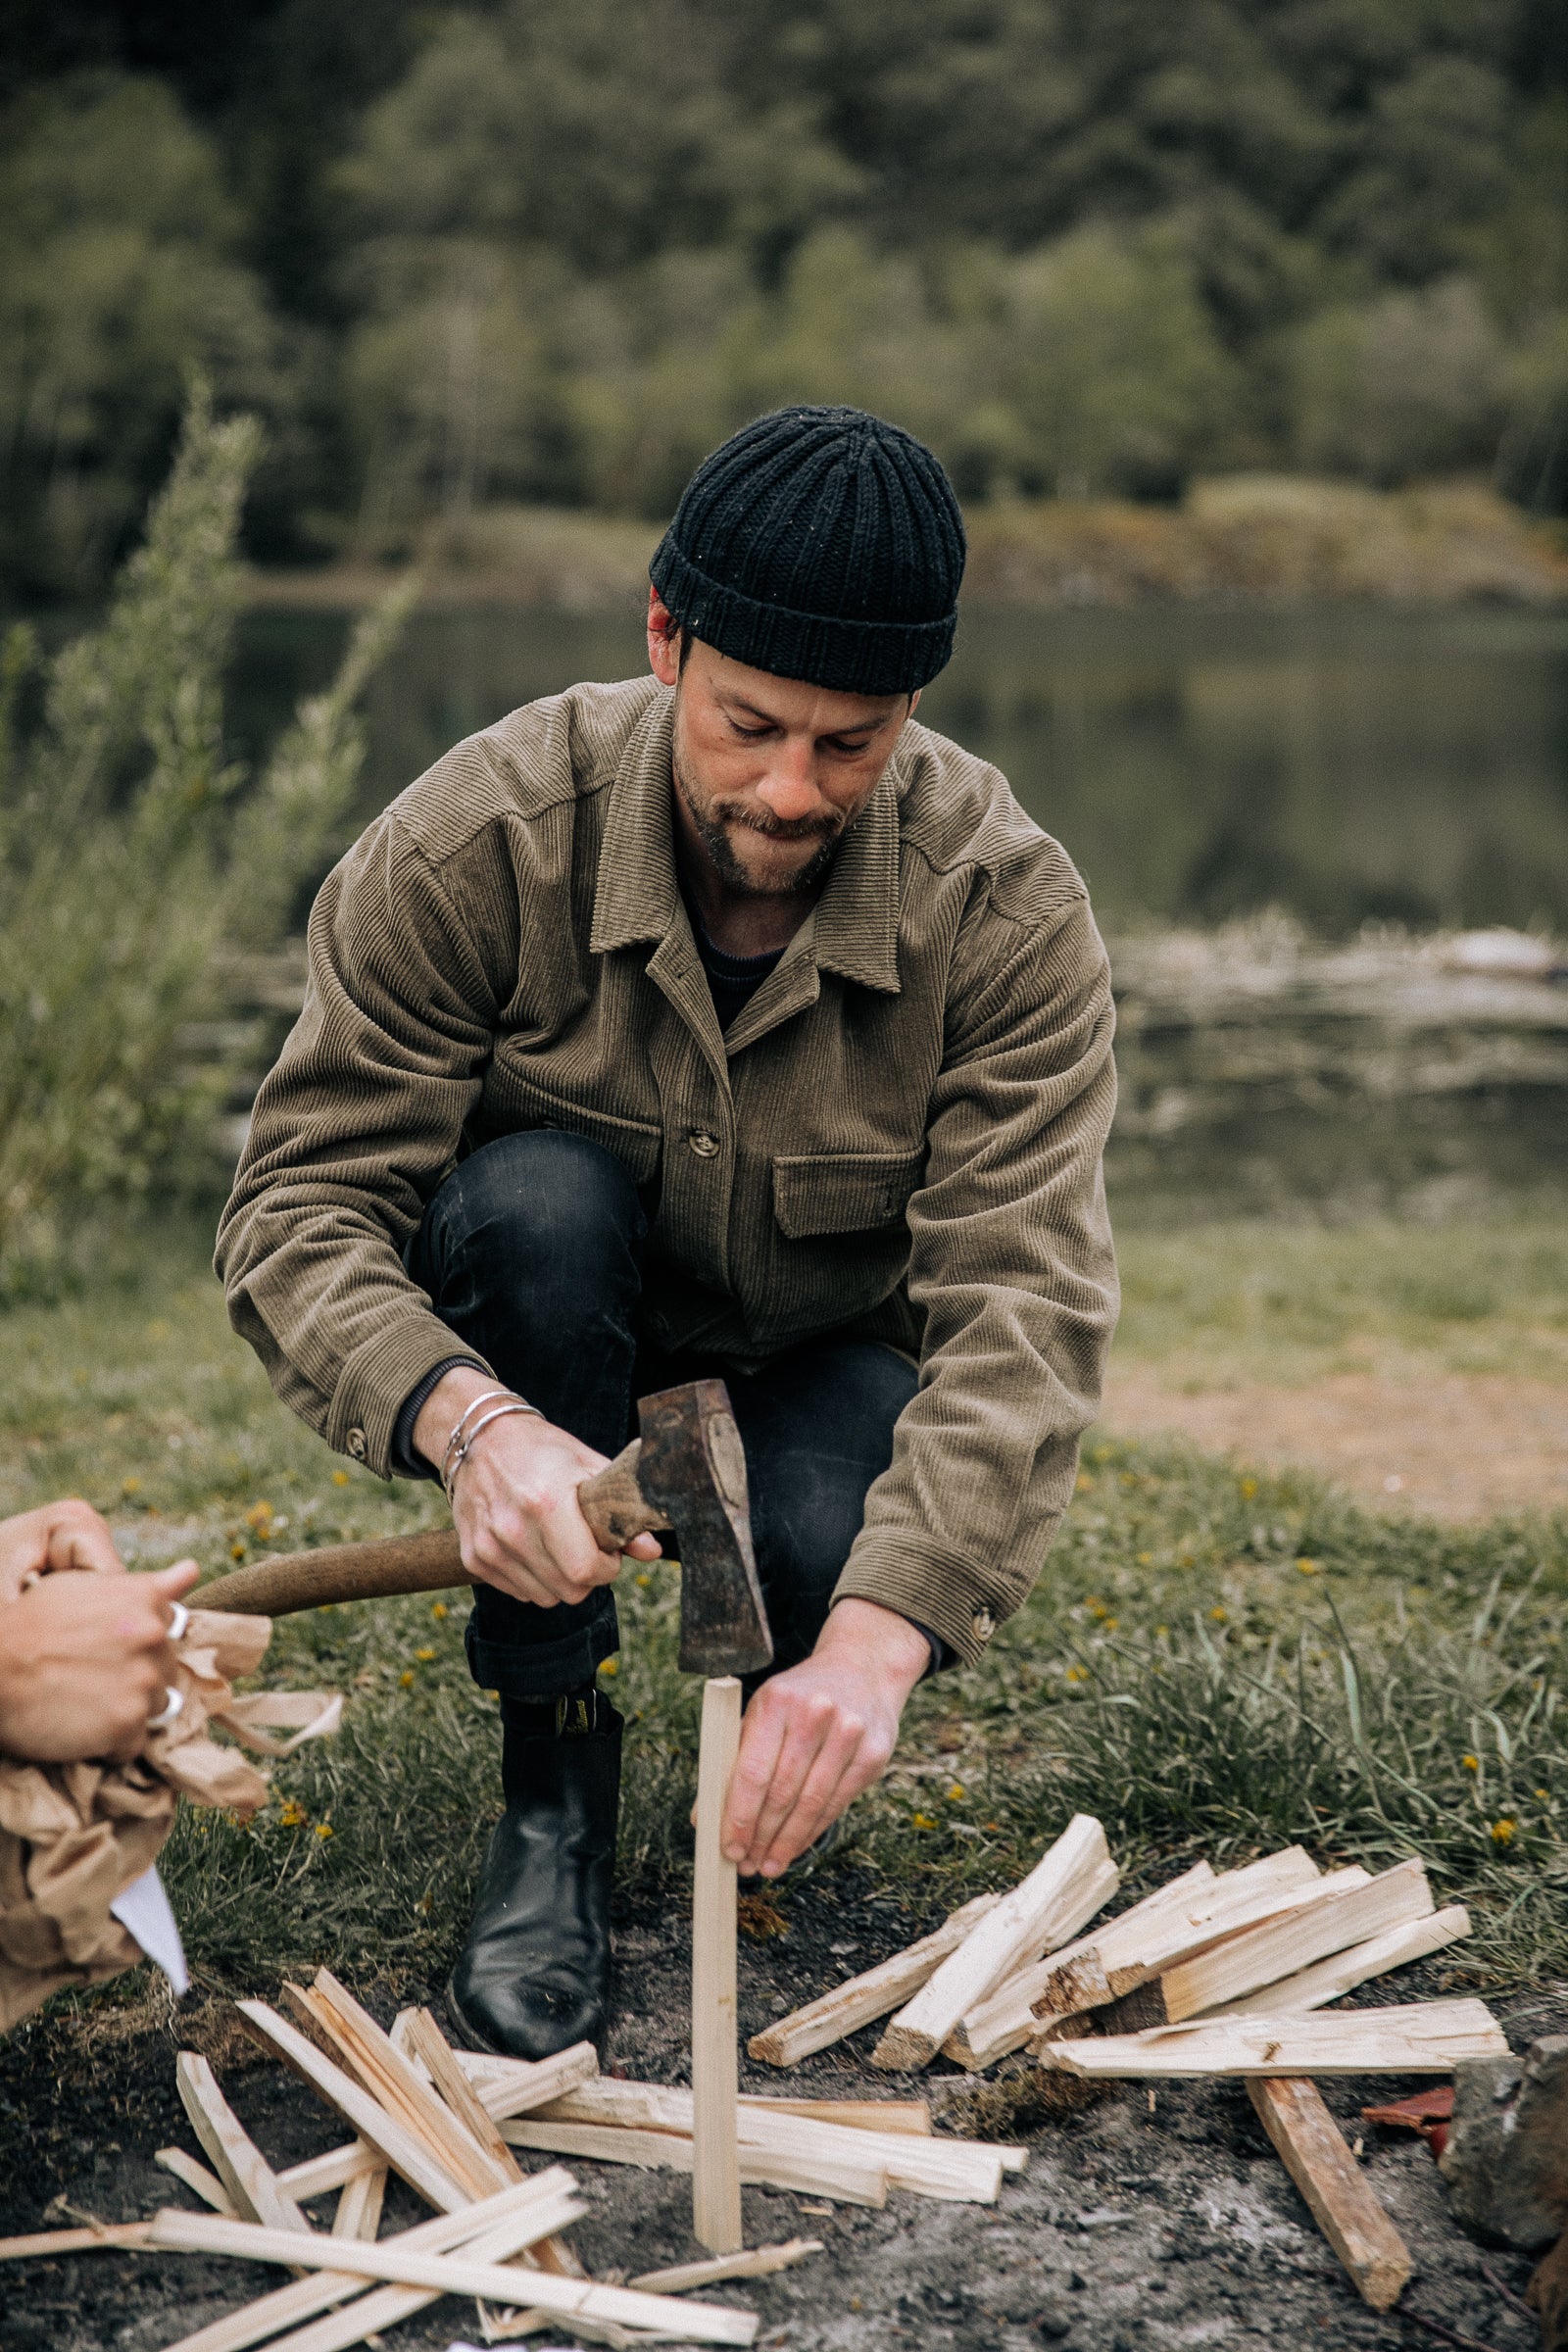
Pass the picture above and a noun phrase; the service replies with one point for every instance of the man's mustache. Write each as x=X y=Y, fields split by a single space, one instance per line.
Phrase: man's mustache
x=776 y=828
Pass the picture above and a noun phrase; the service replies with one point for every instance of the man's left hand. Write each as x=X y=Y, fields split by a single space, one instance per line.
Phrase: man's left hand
x=818 y=1733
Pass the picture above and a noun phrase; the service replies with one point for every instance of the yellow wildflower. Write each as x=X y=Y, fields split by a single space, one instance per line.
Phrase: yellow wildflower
x=1471 y=1763
x=323 y=1829
x=1307 y=1567
x=130 y=1486
x=439 y=1611
x=422 y=1657
x=405 y=1678
x=956 y=1793
x=610 y=1665
x=1503 y=1831
x=1219 y=1616
x=1086 y=1484
x=1111 y=1623
x=292 y=1814
x=1077 y=1674
x=340 y=1477
x=642 y=1581
x=236 y=1550
x=260 y=1518
x=923 y=1821
x=1545 y=1796
x=1146 y=1559
x=1248 y=1488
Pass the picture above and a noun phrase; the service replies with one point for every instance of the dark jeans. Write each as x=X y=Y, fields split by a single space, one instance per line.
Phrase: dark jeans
x=531 y=1251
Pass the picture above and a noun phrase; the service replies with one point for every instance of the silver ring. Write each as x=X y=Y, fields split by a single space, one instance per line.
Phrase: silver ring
x=178 y=1619
x=173 y=1705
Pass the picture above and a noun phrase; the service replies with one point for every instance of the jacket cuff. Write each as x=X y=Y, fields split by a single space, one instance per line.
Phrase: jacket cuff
x=378 y=1379
x=941 y=1593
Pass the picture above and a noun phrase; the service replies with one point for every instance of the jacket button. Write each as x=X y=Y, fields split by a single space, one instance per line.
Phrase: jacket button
x=703 y=1141
x=355 y=1445
x=982 y=1625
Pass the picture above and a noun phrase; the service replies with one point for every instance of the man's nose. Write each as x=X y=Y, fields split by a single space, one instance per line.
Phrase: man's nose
x=789 y=789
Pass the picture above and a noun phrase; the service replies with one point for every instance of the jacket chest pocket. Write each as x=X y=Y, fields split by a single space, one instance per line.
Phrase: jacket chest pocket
x=636 y=1142
x=843 y=1192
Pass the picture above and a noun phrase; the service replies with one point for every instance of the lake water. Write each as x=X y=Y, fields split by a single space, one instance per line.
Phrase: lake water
x=1344 y=765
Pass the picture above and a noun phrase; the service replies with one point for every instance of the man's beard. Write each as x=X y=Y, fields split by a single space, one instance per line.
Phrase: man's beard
x=710 y=818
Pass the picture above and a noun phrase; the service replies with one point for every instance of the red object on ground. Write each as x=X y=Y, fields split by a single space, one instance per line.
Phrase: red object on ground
x=1425 y=2111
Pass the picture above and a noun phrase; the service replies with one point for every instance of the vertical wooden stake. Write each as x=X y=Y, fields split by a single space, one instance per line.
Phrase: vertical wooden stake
x=716 y=2081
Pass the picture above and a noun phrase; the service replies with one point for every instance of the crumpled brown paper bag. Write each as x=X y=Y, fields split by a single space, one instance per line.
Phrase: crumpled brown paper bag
x=73 y=1836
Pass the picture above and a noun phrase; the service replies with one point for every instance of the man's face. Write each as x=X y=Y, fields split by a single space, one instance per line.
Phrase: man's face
x=770 y=772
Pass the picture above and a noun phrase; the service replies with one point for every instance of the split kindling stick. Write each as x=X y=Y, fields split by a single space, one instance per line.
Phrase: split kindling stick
x=1341 y=2197
x=715 y=2077
x=251 y=2184
x=451 y=2274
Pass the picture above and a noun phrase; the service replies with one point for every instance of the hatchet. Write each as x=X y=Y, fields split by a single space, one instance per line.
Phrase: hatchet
x=685 y=1472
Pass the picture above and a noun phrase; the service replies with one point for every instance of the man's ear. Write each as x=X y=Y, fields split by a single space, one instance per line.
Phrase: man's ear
x=664 y=640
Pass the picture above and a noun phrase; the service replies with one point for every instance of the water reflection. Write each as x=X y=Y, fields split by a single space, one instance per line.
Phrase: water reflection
x=1344 y=763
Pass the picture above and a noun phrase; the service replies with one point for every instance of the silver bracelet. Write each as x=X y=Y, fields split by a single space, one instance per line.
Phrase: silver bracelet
x=513 y=1404
x=459 y=1426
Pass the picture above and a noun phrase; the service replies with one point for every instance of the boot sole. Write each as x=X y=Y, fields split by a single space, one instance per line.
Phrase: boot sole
x=468 y=2036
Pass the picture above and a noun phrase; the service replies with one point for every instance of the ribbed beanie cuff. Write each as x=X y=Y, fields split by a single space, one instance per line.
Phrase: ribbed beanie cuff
x=822 y=544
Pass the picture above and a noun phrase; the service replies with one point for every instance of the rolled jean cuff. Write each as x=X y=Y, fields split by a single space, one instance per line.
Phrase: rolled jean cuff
x=544 y=1669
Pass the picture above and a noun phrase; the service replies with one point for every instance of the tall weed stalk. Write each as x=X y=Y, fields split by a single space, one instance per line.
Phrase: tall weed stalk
x=135 y=858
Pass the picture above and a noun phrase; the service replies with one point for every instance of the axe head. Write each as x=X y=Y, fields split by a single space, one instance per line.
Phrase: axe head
x=692 y=1466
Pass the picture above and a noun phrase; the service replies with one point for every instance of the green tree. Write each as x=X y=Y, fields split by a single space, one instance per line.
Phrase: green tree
x=118 y=274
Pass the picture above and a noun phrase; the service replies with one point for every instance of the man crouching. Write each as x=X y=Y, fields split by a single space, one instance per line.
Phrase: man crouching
x=722 y=1023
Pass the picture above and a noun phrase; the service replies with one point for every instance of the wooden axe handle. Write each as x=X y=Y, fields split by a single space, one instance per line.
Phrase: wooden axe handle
x=612 y=1501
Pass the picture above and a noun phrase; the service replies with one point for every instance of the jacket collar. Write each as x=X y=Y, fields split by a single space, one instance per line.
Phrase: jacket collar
x=854 y=927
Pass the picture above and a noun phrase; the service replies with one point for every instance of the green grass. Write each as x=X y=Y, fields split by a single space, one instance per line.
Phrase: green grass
x=1215 y=1660
x=1279 y=1301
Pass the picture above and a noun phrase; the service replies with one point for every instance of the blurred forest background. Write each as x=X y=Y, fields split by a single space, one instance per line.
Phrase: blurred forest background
x=550 y=250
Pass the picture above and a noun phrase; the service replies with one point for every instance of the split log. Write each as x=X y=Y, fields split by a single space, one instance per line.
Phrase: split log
x=254 y=2189
x=393 y=2141
x=198 y=2180
x=389 y=2076
x=963 y=2169
x=861 y=2182
x=910 y=2116
x=1337 y=2190
x=1005 y=2021
x=1424 y=2038
x=757 y=2262
x=1109 y=1964
x=861 y=2000
x=1278 y=1948
x=44 y=2244
x=425 y=2041
x=1328 y=1980
x=513 y=2086
x=715 y=2058
x=451 y=2274
x=1070 y=1883
x=547 y=2197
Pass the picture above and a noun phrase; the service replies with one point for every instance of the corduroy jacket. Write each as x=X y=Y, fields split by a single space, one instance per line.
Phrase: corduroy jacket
x=900 y=1136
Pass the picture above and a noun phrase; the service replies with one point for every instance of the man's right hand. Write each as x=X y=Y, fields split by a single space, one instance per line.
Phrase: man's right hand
x=515 y=1503
x=85 y=1662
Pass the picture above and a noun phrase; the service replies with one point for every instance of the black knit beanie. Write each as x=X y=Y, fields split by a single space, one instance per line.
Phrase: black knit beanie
x=822 y=544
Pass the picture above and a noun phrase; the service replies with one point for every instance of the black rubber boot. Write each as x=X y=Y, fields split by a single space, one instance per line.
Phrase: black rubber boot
x=534 y=1976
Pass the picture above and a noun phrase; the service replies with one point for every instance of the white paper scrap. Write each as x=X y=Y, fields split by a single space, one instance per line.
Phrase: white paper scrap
x=145 y=1911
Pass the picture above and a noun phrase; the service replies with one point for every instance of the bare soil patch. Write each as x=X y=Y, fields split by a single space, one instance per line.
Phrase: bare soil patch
x=1453 y=1446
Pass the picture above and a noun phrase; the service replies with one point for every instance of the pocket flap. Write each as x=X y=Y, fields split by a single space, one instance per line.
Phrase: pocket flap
x=843 y=1192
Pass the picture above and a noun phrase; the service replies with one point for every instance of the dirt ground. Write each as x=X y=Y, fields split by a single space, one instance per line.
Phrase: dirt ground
x=1453 y=1447
x=1136 y=2227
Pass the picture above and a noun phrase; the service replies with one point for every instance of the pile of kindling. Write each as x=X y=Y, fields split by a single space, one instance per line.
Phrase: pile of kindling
x=1224 y=1973
x=447 y=2123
